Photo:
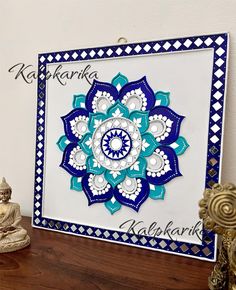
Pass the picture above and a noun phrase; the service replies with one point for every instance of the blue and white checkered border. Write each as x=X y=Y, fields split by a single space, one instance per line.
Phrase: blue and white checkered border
x=217 y=42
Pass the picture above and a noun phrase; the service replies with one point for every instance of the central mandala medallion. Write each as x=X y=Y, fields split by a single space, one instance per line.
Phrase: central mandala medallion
x=116 y=143
x=121 y=143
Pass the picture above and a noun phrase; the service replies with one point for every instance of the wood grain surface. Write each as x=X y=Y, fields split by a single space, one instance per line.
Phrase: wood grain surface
x=58 y=261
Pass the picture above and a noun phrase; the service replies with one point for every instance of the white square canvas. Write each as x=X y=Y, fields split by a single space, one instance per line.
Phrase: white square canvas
x=169 y=92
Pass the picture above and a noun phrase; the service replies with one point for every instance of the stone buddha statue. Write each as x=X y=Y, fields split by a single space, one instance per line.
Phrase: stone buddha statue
x=12 y=236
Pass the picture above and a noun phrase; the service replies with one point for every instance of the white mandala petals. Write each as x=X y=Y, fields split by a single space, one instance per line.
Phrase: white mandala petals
x=164 y=124
x=113 y=147
x=130 y=188
x=162 y=166
x=74 y=160
x=135 y=100
x=117 y=113
x=145 y=144
x=76 y=124
x=138 y=95
x=100 y=97
x=115 y=174
x=96 y=188
x=78 y=158
x=79 y=126
x=157 y=126
x=102 y=101
x=89 y=142
x=155 y=164
x=132 y=192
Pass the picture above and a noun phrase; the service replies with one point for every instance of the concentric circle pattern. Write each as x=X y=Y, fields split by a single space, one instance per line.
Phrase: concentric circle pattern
x=116 y=143
x=222 y=210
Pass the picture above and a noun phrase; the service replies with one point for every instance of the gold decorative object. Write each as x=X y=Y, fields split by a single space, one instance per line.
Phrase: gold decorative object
x=12 y=236
x=218 y=211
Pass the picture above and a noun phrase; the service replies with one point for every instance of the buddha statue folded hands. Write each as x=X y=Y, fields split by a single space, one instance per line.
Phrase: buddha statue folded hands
x=12 y=236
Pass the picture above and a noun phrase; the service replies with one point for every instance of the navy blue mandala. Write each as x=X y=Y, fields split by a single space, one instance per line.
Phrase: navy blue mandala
x=121 y=143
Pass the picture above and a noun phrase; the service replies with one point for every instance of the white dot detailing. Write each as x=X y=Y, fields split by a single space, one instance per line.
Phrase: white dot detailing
x=157 y=164
x=102 y=101
x=135 y=100
x=160 y=127
x=130 y=188
x=128 y=132
x=79 y=126
x=78 y=158
x=98 y=184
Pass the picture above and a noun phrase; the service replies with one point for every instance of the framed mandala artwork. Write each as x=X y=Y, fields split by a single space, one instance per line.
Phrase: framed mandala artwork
x=128 y=137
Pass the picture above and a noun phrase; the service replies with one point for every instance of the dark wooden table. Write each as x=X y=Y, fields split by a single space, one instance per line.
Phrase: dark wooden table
x=58 y=261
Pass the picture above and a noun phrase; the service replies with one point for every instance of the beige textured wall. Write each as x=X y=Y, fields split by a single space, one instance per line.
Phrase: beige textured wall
x=28 y=27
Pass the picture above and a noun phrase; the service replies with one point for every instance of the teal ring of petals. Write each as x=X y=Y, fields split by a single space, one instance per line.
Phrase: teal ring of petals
x=121 y=143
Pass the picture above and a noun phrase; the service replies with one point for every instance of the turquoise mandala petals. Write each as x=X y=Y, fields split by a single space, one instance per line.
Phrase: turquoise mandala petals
x=140 y=119
x=138 y=169
x=162 y=99
x=121 y=143
x=115 y=177
x=95 y=119
x=119 y=81
x=93 y=166
x=75 y=183
x=113 y=205
x=86 y=143
x=62 y=143
x=157 y=192
x=118 y=110
x=79 y=101
x=149 y=144
x=180 y=145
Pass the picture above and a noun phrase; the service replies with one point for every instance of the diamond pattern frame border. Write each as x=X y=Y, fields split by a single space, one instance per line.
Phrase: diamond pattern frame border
x=217 y=42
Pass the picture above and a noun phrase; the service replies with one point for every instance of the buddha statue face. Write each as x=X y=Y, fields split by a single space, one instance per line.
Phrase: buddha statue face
x=5 y=195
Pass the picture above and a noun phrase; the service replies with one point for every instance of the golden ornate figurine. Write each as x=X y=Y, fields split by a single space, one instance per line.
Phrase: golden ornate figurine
x=218 y=211
x=12 y=236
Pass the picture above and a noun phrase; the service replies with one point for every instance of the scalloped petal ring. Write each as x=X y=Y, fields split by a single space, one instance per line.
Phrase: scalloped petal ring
x=119 y=146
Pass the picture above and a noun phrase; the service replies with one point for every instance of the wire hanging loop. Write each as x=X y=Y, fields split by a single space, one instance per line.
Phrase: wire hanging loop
x=122 y=40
